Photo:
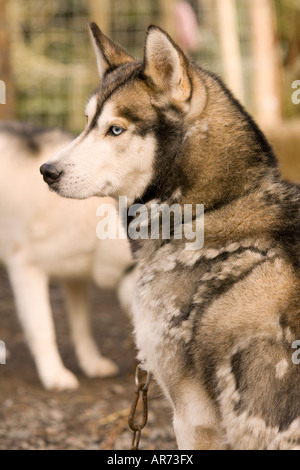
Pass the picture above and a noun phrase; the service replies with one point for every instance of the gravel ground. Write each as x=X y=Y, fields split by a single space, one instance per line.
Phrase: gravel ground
x=94 y=417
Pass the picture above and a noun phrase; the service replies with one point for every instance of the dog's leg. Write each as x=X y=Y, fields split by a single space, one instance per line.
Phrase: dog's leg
x=30 y=287
x=191 y=437
x=89 y=357
x=196 y=423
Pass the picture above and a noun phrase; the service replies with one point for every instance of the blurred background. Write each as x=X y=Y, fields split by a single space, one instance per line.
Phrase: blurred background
x=48 y=66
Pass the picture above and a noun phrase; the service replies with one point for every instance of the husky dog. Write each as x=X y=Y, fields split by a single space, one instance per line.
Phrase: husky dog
x=44 y=236
x=215 y=325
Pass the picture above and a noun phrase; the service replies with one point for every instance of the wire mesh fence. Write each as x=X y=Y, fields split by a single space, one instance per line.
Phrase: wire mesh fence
x=52 y=62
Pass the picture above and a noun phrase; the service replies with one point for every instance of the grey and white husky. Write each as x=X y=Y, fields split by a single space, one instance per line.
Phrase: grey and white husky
x=215 y=325
x=43 y=236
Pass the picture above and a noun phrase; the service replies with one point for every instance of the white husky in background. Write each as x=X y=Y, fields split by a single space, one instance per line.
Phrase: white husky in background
x=43 y=236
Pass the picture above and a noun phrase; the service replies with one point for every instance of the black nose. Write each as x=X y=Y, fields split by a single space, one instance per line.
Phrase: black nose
x=50 y=173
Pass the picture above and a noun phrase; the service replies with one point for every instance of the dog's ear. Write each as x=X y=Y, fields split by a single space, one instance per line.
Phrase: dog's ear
x=167 y=67
x=109 y=54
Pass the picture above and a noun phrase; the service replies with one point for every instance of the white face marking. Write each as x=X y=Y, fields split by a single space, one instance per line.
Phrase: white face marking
x=91 y=108
x=98 y=163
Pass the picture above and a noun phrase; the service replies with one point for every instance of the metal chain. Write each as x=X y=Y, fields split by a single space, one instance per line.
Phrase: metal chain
x=141 y=391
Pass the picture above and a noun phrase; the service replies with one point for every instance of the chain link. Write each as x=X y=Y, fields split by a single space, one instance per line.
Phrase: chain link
x=140 y=392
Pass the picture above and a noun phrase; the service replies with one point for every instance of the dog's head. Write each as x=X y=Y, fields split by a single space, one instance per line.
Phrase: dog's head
x=162 y=128
x=135 y=116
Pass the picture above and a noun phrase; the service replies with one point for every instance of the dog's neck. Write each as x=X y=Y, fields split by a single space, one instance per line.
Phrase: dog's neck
x=220 y=160
x=251 y=216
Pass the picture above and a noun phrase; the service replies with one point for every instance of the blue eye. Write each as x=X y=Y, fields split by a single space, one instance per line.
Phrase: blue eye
x=116 y=130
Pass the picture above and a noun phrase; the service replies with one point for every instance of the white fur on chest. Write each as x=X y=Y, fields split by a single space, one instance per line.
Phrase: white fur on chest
x=157 y=343
x=148 y=332
x=151 y=343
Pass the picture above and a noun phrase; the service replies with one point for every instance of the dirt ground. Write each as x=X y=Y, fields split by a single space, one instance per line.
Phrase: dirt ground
x=95 y=416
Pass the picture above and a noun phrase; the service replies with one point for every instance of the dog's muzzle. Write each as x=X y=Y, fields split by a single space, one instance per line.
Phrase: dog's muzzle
x=50 y=173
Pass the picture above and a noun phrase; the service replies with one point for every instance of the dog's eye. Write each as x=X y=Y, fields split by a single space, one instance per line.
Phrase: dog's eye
x=116 y=130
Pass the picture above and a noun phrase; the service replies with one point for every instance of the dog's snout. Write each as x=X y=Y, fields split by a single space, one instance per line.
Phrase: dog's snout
x=50 y=173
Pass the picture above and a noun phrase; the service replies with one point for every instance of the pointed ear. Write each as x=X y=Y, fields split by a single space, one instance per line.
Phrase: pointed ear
x=109 y=54
x=167 y=67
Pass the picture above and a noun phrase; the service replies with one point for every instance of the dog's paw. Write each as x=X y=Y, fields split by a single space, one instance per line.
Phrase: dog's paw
x=100 y=367
x=60 y=380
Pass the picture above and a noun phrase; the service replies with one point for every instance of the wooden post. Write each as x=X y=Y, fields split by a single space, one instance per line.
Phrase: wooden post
x=266 y=66
x=100 y=14
x=8 y=104
x=230 y=47
x=168 y=17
